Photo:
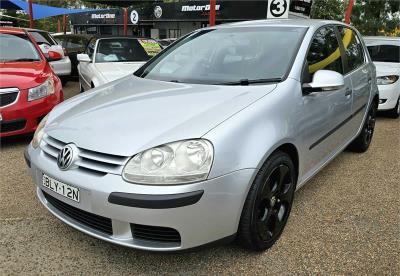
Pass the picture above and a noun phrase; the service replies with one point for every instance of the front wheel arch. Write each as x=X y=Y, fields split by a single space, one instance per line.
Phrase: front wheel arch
x=292 y=151
x=247 y=234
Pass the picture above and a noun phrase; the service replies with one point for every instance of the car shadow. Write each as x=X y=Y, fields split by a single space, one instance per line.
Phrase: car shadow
x=383 y=115
x=13 y=141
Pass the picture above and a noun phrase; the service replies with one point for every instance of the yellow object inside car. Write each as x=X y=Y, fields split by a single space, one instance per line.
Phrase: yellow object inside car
x=334 y=56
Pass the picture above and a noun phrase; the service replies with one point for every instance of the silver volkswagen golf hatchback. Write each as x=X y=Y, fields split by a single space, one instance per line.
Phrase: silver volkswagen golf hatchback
x=209 y=140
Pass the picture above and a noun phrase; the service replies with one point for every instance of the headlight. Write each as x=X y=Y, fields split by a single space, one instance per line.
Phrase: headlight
x=43 y=90
x=39 y=133
x=174 y=163
x=386 y=79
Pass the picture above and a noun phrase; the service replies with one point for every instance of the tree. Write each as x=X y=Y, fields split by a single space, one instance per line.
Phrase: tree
x=328 y=9
x=373 y=17
x=370 y=17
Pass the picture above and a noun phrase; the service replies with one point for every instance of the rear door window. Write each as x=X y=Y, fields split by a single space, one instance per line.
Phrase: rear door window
x=353 y=48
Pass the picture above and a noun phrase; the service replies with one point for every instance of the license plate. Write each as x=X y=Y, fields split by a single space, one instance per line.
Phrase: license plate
x=60 y=188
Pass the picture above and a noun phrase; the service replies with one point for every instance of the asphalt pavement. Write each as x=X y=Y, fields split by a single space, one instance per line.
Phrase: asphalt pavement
x=346 y=220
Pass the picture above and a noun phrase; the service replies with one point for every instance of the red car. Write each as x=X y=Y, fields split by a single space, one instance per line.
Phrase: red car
x=29 y=89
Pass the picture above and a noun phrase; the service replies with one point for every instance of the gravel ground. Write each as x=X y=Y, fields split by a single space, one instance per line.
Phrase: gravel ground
x=344 y=221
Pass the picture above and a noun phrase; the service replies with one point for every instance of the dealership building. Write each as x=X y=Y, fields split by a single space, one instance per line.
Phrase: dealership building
x=159 y=19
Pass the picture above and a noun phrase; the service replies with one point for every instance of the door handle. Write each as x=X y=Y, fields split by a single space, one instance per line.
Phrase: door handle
x=348 y=92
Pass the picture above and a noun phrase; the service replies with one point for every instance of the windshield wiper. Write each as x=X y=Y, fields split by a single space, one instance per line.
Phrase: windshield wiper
x=22 y=59
x=248 y=82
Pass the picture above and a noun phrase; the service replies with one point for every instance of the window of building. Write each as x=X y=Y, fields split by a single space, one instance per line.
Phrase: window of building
x=91 y=30
x=162 y=33
x=174 y=33
x=106 y=30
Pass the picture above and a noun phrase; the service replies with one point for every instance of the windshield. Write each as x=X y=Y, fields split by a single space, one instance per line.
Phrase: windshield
x=26 y=50
x=221 y=56
x=384 y=53
x=120 y=50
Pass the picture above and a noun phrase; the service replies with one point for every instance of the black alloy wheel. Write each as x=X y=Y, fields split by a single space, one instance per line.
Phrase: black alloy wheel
x=395 y=112
x=369 y=126
x=363 y=140
x=268 y=203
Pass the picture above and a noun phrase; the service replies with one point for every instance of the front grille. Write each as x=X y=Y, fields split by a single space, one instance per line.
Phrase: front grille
x=8 y=96
x=90 y=161
x=96 y=222
x=155 y=233
x=7 y=126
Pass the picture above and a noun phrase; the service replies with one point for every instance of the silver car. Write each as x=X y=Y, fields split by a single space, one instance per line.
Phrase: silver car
x=209 y=140
x=46 y=42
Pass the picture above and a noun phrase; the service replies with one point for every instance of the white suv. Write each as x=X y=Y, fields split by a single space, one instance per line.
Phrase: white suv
x=46 y=42
x=385 y=52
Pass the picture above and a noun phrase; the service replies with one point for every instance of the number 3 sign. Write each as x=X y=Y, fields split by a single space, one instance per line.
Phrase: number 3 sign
x=278 y=9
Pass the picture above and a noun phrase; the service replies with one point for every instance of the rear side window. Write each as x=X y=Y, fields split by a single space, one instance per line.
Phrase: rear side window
x=90 y=47
x=324 y=52
x=42 y=37
x=76 y=42
x=353 y=48
x=385 y=53
x=60 y=40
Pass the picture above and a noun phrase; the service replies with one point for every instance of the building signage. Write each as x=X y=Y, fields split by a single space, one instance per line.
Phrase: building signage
x=103 y=16
x=157 y=12
x=278 y=9
x=196 y=11
x=134 y=17
x=301 y=7
x=189 y=8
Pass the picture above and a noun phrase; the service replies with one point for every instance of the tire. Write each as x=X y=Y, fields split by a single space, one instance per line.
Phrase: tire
x=395 y=112
x=64 y=81
x=81 y=90
x=363 y=140
x=268 y=203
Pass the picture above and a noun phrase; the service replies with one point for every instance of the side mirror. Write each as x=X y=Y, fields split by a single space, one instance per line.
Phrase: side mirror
x=324 y=80
x=53 y=56
x=83 y=58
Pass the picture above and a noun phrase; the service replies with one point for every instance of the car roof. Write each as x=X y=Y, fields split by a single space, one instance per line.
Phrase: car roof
x=71 y=35
x=14 y=30
x=118 y=37
x=316 y=23
x=35 y=30
x=381 y=38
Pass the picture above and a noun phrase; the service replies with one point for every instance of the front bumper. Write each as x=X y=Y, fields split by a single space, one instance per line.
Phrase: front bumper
x=211 y=209
x=389 y=95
